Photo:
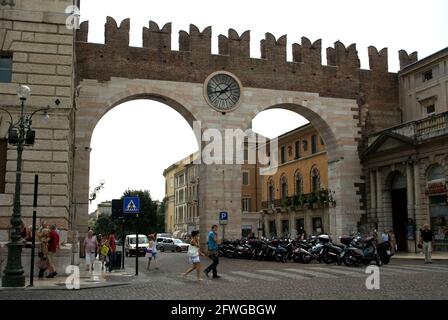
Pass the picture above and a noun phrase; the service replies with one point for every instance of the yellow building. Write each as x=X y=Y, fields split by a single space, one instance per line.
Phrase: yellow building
x=296 y=196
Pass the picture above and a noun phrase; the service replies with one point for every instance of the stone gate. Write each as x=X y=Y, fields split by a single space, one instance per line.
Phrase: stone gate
x=341 y=100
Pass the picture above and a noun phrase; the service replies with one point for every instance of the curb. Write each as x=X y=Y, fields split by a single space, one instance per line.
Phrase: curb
x=61 y=286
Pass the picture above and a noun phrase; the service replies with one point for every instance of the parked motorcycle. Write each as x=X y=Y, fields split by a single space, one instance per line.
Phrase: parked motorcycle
x=359 y=251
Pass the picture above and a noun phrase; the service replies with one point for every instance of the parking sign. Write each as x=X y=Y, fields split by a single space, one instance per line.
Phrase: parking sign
x=223 y=217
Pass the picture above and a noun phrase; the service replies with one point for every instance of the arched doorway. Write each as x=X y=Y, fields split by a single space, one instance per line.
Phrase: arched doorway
x=399 y=210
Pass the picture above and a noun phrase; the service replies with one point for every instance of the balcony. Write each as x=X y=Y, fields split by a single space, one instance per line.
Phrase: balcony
x=418 y=131
x=323 y=198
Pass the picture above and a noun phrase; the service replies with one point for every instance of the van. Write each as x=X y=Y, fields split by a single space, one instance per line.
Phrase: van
x=130 y=244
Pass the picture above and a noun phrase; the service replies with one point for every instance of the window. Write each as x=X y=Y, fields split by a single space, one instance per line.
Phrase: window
x=272 y=228
x=297 y=149
x=285 y=227
x=5 y=67
x=283 y=155
x=298 y=184
x=313 y=143
x=436 y=173
x=246 y=154
x=271 y=191
x=315 y=179
x=3 y=149
x=322 y=143
x=305 y=145
x=245 y=178
x=246 y=204
x=431 y=109
x=317 y=226
x=284 y=187
x=427 y=75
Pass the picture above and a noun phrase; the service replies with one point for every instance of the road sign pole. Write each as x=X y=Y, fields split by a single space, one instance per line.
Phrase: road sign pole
x=136 y=245
x=123 y=237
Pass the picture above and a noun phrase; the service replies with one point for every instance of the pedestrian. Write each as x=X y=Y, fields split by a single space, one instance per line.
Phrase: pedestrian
x=104 y=251
x=212 y=243
x=152 y=252
x=385 y=236
x=193 y=255
x=393 y=241
x=112 y=246
x=90 y=246
x=53 y=246
x=426 y=237
x=42 y=264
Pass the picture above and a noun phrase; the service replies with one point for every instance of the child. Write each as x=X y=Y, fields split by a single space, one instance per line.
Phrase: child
x=43 y=265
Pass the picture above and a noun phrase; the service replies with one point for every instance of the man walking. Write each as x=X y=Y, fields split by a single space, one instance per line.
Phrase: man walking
x=212 y=242
x=112 y=247
x=53 y=246
x=426 y=236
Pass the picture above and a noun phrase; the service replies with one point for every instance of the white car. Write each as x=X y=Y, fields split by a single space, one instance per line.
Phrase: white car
x=130 y=244
x=171 y=244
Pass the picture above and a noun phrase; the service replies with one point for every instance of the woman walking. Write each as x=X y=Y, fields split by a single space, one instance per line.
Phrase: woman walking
x=193 y=255
x=152 y=252
x=90 y=246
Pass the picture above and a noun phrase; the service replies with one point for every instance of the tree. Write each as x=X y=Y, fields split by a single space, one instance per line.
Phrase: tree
x=104 y=224
x=148 y=221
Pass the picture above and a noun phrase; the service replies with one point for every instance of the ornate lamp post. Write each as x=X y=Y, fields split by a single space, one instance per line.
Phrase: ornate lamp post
x=20 y=134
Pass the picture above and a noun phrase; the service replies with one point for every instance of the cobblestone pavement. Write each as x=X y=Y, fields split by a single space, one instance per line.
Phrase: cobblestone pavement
x=253 y=280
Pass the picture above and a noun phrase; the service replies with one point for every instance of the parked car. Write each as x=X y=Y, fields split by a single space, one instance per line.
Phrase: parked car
x=130 y=244
x=171 y=244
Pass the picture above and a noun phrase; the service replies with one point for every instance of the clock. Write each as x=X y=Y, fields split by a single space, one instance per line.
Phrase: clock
x=222 y=91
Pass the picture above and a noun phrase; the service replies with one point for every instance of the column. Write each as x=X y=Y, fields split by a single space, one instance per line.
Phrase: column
x=266 y=225
x=373 y=199
x=410 y=200
x=379 y=201
x=292 y=223
x=278 y=223
x=419 y=217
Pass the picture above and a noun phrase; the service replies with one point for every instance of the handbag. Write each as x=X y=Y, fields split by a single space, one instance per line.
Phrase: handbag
x=104 y=250
x=193 y=251
x=419 y=246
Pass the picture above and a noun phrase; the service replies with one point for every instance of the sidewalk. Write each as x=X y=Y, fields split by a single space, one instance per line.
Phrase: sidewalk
x=87 y=280
x=408 y=255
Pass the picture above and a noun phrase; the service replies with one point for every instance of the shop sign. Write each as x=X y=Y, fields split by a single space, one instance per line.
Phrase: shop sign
x=436 y=186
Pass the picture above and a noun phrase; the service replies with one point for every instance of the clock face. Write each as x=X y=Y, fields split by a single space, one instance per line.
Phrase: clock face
x=223 y=92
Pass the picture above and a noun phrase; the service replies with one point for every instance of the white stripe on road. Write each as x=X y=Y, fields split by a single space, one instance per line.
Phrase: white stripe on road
x=421 y=268
x=255 y=276
x=431 y=267
x=338 y=271
x=233 y=279
x=312 y=273
x=383 y=270
x=284 y=274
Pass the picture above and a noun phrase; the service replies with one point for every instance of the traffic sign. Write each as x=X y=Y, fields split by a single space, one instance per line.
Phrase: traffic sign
x=223 y=217
x=131 y=205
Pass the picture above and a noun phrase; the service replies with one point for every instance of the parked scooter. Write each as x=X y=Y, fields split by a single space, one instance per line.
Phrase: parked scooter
x=359 y=251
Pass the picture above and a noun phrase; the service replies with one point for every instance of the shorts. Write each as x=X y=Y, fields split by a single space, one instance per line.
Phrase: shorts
x=194 y=259
x=90 y=258
x=50 y=258
x=154 y=254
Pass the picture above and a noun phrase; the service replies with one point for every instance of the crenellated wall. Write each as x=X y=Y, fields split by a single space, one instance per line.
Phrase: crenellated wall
x=376 y=90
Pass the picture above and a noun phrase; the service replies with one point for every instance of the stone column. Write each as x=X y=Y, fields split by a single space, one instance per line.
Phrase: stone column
x=419 y=217
x=266 y=225
x=373 y=199
x=379 y=201
x=410 y=199
x=292 y=222
x=278 y=223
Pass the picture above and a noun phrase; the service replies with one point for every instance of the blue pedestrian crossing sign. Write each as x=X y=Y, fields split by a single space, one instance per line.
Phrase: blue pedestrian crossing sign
x=131 y=205
x=223 y=217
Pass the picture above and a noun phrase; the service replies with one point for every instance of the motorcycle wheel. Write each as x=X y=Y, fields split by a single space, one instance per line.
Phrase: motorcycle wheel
x=385 y=259
x=306 y=259
x=327 y=258
x=378 y=261
x=347 y=261
x=296 y=258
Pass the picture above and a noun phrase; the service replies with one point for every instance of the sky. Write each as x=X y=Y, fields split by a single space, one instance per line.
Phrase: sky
x=134 y=142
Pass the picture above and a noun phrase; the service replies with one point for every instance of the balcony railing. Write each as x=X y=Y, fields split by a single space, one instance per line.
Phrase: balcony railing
x=419 y=130
x=319 y=199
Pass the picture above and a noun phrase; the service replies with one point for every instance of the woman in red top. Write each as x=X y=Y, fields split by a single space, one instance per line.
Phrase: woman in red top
x=53 y=246
x=113 y=247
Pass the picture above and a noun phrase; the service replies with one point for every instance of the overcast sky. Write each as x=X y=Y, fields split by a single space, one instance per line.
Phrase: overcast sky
x=135 y=141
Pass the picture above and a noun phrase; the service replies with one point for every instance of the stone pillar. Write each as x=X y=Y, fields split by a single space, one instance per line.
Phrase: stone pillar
x=266 y=225
x=373 y=199
x=220 y=190
x=278 y=223
x=419 y=216
x=410 y=199
x=292 y=223
x=379 y=201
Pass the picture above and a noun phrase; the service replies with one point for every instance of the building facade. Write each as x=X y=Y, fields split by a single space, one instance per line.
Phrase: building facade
x=297 y=196
x=406 y=166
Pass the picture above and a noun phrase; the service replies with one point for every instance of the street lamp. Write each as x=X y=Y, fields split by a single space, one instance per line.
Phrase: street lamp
x=20 y=134
x=96 y=190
